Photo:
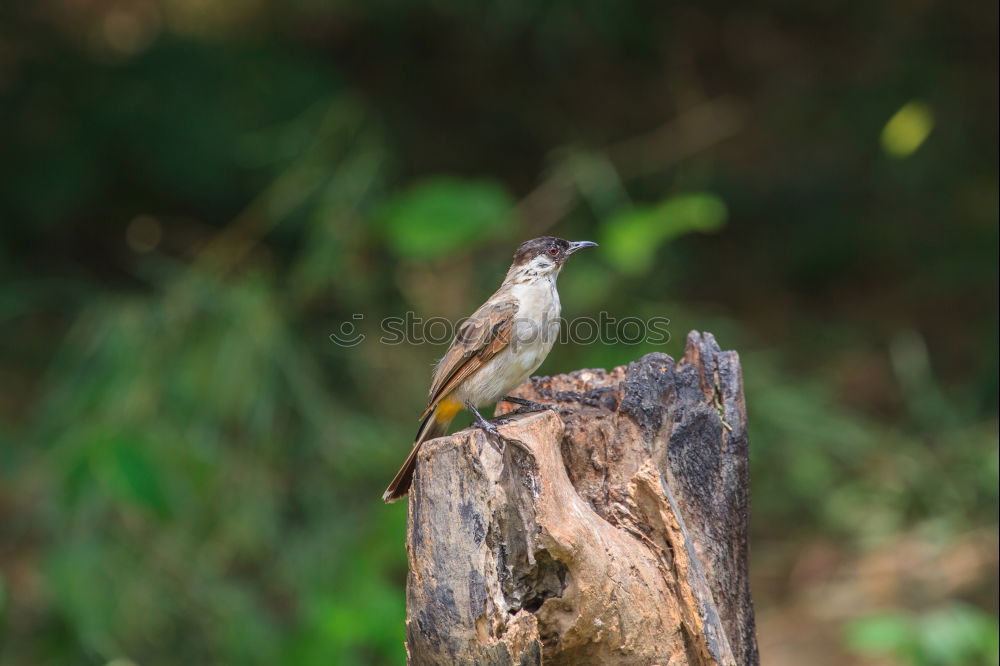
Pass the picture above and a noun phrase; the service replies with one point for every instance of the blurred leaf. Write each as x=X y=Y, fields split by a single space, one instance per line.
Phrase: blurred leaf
x=880 y=634
x=955 y=635
x=907 y=129
x=78 y=479
x=77 y=576
x=958 y=634
x=630 y=239
x=138 y=477
x=440 y=215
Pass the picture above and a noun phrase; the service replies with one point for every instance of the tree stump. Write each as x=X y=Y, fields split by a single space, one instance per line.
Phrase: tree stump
x=611 y=531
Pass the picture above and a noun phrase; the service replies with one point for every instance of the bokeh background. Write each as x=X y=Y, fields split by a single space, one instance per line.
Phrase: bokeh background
x=196 y=193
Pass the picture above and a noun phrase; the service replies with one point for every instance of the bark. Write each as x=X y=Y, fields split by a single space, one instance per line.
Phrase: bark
x=611 y=531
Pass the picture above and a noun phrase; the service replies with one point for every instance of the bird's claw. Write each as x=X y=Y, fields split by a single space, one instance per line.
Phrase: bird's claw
x=493 y=435
x=498 y=441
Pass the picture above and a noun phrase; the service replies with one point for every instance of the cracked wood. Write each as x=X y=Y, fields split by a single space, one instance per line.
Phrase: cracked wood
x=616 y=535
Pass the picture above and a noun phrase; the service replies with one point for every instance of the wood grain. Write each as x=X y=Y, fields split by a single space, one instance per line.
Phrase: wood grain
x=616 y=533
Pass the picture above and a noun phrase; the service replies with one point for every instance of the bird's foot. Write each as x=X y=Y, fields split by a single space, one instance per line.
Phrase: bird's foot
x=526 y=406
x=493 y=436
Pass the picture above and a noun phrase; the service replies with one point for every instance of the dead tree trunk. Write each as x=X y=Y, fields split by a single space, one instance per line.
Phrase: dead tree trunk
x=616 y=533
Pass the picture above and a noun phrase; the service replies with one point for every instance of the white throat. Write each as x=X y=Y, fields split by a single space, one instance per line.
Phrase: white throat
x=541 y=268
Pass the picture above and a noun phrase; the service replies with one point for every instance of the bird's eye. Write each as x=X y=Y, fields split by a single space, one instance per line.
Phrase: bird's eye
x=553 y=251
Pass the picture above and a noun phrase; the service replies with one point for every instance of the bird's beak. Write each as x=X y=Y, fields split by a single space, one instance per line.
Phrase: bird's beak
x=579 y=245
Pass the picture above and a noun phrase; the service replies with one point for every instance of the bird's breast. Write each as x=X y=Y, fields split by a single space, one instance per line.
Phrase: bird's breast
x=537 y=321
x=535 y=330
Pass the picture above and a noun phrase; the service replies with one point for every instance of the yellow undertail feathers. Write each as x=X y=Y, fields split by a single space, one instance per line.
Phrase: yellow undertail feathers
x=446 y=409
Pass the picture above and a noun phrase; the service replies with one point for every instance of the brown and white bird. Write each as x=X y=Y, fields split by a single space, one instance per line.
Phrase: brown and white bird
x=497 y=348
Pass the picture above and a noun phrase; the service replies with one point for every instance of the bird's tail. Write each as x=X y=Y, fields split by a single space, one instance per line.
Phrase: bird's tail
x=429 y=429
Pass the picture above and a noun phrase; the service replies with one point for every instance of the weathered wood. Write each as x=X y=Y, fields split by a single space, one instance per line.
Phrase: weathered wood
x=614 y=533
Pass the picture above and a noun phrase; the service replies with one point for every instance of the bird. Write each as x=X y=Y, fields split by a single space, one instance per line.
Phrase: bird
x=496 y=348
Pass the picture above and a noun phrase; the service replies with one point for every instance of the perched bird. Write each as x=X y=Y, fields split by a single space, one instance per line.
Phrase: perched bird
x=497 y=348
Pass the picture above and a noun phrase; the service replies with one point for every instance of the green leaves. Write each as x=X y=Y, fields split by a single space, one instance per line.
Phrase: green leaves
x=437 y=216
x=137 y=477
x=122 y=466
x=954 y=635
x=630 y=239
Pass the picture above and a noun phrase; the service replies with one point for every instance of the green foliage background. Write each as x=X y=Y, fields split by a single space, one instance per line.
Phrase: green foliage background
x=196 y=195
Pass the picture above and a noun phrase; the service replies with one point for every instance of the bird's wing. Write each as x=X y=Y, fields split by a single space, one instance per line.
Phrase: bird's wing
x=480 y=338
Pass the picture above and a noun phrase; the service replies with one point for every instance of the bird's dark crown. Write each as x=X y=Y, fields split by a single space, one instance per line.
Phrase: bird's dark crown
x=544 y=245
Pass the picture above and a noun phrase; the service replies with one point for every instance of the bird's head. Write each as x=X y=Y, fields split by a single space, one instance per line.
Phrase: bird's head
x=544 y=256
